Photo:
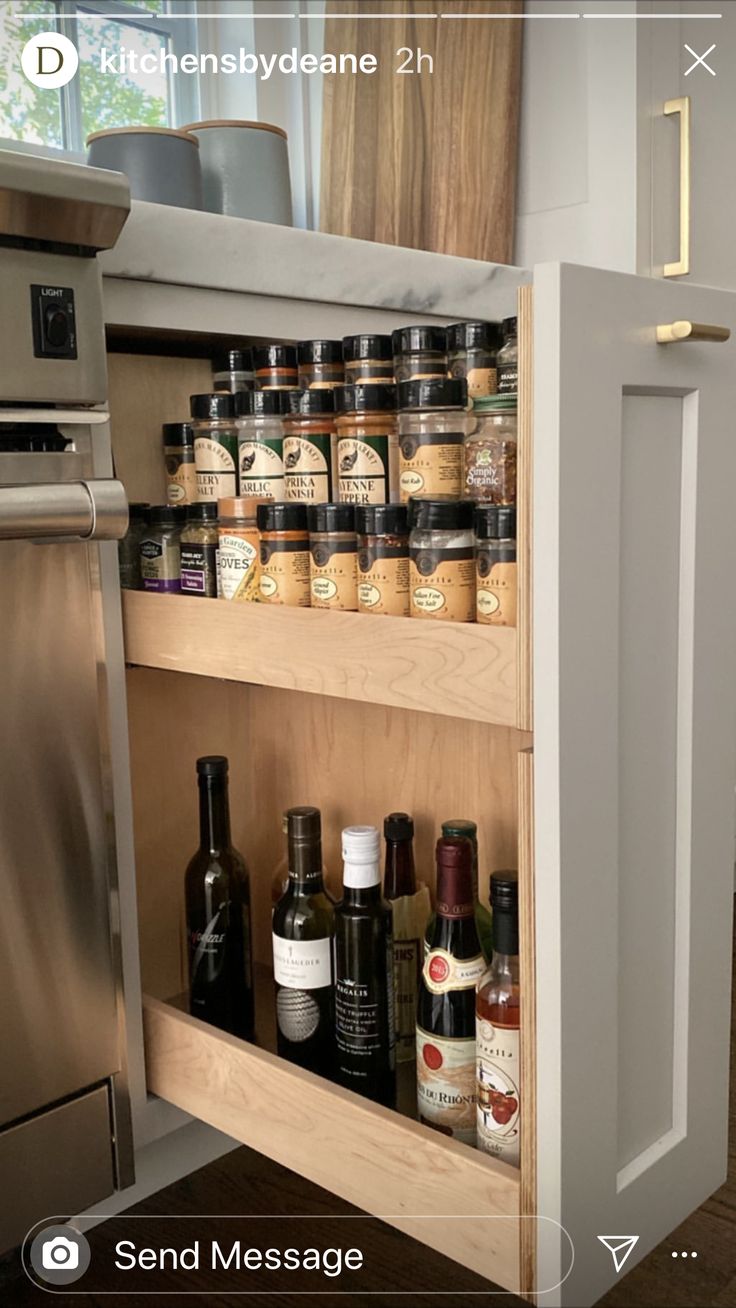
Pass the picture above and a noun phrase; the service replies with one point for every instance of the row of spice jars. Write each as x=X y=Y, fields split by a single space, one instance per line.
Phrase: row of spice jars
x=483 y=353
x=349 y=445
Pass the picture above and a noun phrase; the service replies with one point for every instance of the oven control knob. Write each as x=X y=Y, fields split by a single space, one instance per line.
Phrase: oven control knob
x=57 y=328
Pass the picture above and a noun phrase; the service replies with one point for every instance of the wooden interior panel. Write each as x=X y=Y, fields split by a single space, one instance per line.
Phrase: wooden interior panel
x=528 y=1038
x=525 y=508
x=358 y=762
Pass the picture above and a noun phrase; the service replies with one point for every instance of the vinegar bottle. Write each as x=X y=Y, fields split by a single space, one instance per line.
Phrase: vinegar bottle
x=497 y=1029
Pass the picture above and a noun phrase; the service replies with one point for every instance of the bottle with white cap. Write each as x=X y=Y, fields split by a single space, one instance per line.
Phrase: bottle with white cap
x=364 y=981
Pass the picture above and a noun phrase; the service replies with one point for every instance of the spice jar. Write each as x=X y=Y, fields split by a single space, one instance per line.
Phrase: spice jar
x=490 y=451
x=275 y=367
x=368 y=357
x=320 y=364
x=367 y=443
x=160 y=548
x=419 y=352
x=508 y=359
x=495 y=564
x=215 y=444
x=309 y=446
x=383 y=559
x=238 y=552
x=199 y=550
x=261 y=443
x=441 y=559
x=181 y=471
x=332 y=549
x=129 y=548
x=433 y=421
x=472 y=348
x=233 y=371
x=284 y=554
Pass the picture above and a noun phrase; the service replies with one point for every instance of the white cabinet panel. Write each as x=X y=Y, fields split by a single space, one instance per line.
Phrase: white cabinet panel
x=635 y=705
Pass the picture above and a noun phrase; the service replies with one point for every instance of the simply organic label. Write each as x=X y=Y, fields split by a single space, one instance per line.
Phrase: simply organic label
x=497 y=1089
x=446 y=1085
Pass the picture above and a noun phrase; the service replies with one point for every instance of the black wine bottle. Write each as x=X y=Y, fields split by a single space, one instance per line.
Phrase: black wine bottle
x=302 y=930
x=217 y=893
x=364 y=981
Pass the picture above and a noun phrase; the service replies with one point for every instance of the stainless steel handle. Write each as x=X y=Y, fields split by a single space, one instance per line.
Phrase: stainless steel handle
x=78 y=510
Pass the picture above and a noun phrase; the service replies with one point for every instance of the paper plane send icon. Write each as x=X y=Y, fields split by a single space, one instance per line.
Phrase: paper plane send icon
x=619 y=1247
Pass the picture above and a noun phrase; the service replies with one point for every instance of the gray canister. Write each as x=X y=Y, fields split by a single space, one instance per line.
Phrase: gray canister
x=161 y=163
x=245 y=170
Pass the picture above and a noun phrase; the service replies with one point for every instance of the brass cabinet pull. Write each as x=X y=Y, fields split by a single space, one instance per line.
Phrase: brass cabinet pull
x=681 y=106
x=668 y=333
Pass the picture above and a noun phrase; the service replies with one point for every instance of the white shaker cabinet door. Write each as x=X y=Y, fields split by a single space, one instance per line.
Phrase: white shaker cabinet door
x=635 y=726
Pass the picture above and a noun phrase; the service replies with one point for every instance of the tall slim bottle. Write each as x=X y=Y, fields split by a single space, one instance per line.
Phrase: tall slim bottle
x=497 y=1029
x=303 y=926
x=446 y=1006
x=364 y=972
x=400 y=881
x=217 y=892
x=464 y=827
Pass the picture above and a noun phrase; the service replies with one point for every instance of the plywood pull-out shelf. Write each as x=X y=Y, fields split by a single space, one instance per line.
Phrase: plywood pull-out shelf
x=383 y=1163
x=455 y=669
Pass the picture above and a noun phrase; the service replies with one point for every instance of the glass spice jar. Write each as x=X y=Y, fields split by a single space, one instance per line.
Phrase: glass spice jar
x=441 y=559
x=181 y=470
x=419 y=352
x=495 y=564
x=332 y=549
x=310 y=440
x=320 y=364
x=199 y=542
x=433 y=421
x=284 y=546
x=261 y=443
x=507 y=361
x=472 y=348
x=275 y=367
x=368 y=357
x=129 y=548
x=490 y=451
x=238 y=549
x=160 y=548
x=233 y=371
x=215 y=444
x=383 y=559
x=367 y=443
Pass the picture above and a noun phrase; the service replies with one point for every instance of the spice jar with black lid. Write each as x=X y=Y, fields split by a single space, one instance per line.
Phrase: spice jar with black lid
x=320 y=364
x=215 y=444
x=284 y=539
x=419 y=352
x=472 y=348
x=368 y=357
x=275 y=367
x=129 y=548
x=441 y=558
x=507 y=362
x=310 y=440
x=181 y=471
x=160 y=548
x=383 y=559
x=433 y=422
x=261 y=443
x=199 y=543
x=495 y=564
x=367 y=443
x=332 y=548
x=233 y=371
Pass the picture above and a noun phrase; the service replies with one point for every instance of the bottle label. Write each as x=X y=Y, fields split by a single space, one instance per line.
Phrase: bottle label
x=238 y=566
x=499 y=1101
x=302 y=964
x=446 y=1085
x=363 y=469
x=496 y=596
x=262 y=468
x=199 y=569
x=215 y=459
x=333 y=573
x=481 y=381
x=160 y=566
x=407 y=970
x=431 y=464
x=508 y=379
x=285 y=572
x=308 y=468
x=383 y=579
x=443 y=972
x=181 y=477
x=442 y=584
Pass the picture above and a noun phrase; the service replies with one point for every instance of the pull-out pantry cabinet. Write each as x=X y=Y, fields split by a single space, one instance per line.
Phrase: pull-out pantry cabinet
x=594 y=743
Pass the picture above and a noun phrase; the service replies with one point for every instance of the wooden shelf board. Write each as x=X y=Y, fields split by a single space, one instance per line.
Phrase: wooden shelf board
x=452 y=669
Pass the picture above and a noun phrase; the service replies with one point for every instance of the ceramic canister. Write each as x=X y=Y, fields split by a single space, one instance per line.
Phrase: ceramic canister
x=245 y=169
x=161 y=163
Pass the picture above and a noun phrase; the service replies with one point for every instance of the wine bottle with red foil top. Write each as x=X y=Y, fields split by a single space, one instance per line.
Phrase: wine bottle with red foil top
x=446 y=1007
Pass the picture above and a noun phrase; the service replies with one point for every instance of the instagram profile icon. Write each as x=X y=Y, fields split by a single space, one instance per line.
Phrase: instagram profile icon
x=49 y=60
x=59 y=1254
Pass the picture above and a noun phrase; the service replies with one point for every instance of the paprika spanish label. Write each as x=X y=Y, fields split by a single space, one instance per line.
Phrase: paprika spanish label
x=308 y=468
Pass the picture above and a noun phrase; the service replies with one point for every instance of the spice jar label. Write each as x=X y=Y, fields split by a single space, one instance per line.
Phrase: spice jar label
x=262 y=469
x=508 y=379
x=199 y=569
x=307 y=468
x=481 y=382
x=446 y=1084
x=333 y=573
x=363 y=469
x=215 y=460
x=442 y=584
x=496 y=597
x=238 y=567
x=498 y=1081
x=285 y=572
x=383 y=579
x=181 y=478
x=431 y=463
x=159 y=566
x=490 y=469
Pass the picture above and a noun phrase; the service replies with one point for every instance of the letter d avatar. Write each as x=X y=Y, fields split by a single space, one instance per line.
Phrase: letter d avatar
x=49 y=60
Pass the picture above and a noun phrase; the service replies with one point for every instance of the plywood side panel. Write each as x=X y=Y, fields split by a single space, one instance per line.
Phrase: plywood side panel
x=525 y=507
x=528 y=985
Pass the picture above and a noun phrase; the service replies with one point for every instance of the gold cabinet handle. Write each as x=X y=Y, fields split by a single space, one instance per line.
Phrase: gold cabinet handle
x=668 y=333
x=681 y=106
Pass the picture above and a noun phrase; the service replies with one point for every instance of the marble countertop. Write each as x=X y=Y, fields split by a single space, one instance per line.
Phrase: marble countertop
x=184 y=247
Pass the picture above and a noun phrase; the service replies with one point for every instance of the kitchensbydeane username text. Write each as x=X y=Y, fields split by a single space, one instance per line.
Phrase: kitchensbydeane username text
x=124 y=62
x=236 y=1257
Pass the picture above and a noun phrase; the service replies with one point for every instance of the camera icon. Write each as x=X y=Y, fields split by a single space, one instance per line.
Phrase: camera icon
x=60 y=1255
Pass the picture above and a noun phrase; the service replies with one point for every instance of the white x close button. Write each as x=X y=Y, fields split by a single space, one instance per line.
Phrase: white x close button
x=700 y=60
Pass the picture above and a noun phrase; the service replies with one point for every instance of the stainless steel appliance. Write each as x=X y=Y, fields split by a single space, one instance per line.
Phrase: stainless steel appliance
x=65 y=1134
